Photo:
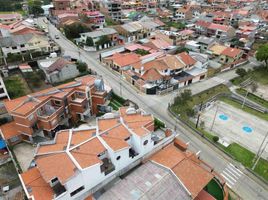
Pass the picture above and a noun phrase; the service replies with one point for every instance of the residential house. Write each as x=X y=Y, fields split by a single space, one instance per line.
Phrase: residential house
x=3 y=90
x=100 y=39
x=174 y=172
x=201 y=27
x=205 y=43
x=80 y=161
x=95 y=18
x=58 y=69
x=131 y=31
x=25 y=68
x=17 y=44
x=184 y=35
x=45 y=112
x=114 y=9
x=230 y=55
x=193 y=45
x=184 y=13
x=10 y=18
x=220 y=31
x=64 y=17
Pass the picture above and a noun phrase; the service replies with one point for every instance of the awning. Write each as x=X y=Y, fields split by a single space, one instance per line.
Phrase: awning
x=2 y=144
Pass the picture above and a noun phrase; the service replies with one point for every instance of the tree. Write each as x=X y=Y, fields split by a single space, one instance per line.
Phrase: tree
x=262 y=54
x=73 y=31
x=89 y=42
x=185 y=96
x=35 y=7
x=103 y=40
x=253 y=87
x=81 y=66
x=241 y=72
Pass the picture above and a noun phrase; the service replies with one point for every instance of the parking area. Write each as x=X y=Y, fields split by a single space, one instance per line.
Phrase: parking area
x=24 y=153
x=235 y=125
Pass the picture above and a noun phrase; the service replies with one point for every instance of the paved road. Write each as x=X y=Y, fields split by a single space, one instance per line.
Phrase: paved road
x=246 y=187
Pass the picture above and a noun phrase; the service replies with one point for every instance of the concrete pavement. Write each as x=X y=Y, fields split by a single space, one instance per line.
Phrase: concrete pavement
x=246 y=187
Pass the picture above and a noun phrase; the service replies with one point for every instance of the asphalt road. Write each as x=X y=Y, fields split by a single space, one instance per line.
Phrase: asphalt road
x=244 y=185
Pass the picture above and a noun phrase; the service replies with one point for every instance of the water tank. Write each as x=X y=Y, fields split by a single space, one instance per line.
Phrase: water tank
x=99 y=84
x=130 y=111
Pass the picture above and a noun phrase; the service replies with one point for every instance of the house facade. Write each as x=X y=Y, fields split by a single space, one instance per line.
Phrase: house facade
x=18 y=44
x=58 y=69
x=44 y=112
x=84 y=159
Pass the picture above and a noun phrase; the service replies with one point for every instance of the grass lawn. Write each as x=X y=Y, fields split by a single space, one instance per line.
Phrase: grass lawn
x=177 y=25
x=246 y=109
x=116 y=101
x=259 y=74
x=16 y=86
x=110 y=22
x=246 y=157
x=214 y=189
x=253 y=97
x=197 y=99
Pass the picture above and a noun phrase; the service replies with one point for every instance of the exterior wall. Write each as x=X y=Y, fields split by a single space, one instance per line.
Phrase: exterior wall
x=69 y=71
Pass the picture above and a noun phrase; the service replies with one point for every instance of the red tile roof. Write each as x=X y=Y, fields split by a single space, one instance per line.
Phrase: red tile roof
x=152 y=74
x=186 y=58
x=223 y=28
x=9 y=130
x=231 y=52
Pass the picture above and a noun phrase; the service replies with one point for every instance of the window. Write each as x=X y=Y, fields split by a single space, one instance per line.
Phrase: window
x=57 y=102
x=118 y=157
x=14 y=47
x=77 y=191
x=145 y=142
x=54 y=180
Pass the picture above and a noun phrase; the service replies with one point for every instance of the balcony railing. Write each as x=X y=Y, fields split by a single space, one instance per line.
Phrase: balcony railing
x=50 y=112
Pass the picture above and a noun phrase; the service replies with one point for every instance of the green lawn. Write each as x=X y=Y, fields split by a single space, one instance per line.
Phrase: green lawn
x=177 y=25
x=259 y=75
x=246 y=109
x=245 y=157
x=16 y=87
x=253 y=97
x=116 y=101
x=214 y=189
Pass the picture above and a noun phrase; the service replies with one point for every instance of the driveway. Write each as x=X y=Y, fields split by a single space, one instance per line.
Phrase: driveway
x=24 y=153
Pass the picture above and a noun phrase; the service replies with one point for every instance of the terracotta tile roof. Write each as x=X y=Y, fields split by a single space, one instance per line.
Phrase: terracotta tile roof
x=186 y=58
x=186 y=167
x=9 y=130
x=27 y=104
x=223 y=28
x=231 y=52
x=202 y=23
x=193 y=176
x=58 y=65
x=204 y=195
x=87 y=154
x=152 y=74
x=61 y=142
x=80 y=136
x=123 y=60
x=170 y=156
x=56 y=165
x=116 y=136
x=105 y=124
x=35 y=183
x=163 y=63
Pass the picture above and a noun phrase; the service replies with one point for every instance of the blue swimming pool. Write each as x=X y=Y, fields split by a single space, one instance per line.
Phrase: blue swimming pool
x=247 y=129
x=224 y=117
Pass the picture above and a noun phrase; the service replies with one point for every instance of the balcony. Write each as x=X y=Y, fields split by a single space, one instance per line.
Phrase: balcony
x=49 y=110
x=78 y=97
x=107 y=167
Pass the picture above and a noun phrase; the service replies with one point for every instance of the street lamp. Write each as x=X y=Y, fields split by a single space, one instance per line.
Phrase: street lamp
x=217 y=108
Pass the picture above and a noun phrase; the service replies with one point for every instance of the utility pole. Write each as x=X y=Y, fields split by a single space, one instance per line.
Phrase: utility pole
x=255 y=164
x=244 y=100
x=259 y=150
x=217 y=108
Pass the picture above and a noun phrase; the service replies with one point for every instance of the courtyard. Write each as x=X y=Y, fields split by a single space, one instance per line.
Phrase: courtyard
x=234 y=125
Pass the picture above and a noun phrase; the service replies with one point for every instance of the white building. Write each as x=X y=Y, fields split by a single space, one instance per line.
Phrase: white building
x=80 y=161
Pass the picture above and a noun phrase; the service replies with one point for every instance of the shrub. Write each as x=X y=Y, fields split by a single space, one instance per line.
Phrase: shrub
x=81 y=66
x=158 y=124
x=215 y=138
x=241 y=72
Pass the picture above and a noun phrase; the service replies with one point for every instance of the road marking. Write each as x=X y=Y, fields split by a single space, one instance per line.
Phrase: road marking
x=232 y=172
x=231 y=175
x=236 y=168
x=227 y=179
x=228 y=175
